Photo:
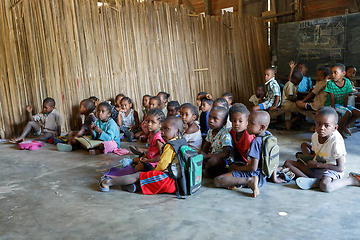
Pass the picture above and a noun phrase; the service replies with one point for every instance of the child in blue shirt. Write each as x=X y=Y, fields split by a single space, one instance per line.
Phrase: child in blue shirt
x=206 y=105
x=306 y=83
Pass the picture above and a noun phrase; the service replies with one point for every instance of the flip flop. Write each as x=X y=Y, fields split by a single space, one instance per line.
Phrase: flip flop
x=307 y=183
x=357 y=175
x=135 y=150
x=131 y=188
x=62 y=147
x=103 y=178
x=16 y=141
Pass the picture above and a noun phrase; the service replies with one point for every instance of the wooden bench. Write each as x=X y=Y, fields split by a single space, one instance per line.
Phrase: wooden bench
x=279 y=111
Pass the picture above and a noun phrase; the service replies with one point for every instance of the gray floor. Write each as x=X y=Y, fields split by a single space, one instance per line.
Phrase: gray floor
x=46 y=194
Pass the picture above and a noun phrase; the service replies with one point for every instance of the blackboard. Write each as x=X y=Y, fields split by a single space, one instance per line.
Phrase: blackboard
x=319 y=42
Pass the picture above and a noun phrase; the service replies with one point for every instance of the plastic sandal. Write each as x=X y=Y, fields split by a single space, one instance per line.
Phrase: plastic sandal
x=62 y=147
x=103 y=178
x=131 y=188
x=307 y=183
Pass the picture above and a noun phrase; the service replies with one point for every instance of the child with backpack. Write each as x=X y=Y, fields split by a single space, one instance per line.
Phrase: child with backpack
x=157 y=180
x=250 y=175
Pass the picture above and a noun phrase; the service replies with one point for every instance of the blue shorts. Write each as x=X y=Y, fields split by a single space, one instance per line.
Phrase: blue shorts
x=320 y=172
x=342 y=110
x=308 y=107
x=240 y=174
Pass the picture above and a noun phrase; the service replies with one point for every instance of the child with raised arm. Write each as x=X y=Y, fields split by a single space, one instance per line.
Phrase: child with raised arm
x=306 y=83
x=46 y=124
x=228 y=97
x=259 y=91
x=188 y=114
x=200 y=96
x=329 y=162
x=164 y=98
x=157 y=180
x=338 y=90
x=249 y=175
x=173 y=109
x=272 y=96
x=129 y=119
x=86 y=108
x=219 y=141
x=105 y=128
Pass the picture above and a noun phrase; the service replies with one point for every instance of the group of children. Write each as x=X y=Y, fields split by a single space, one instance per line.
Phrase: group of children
x=229 y=137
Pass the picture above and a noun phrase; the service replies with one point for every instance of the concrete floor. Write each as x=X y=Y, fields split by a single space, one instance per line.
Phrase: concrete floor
x=46 y=194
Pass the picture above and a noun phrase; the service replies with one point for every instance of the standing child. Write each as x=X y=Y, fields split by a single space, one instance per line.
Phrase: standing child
x=164 y=97
x=306 y=83
x=129 y=119
x=155 y=117
x=249 y=175
x=338 y=90
x=116 y=110
x=47 y=124
x=272 y=96
x=105 y=128
x=228 y=97
x=157 y=180
x=259 y=91
x=219 y=141
x=173 y=109
x=329 y=162
x=240 y=137
x=206 y=105
x=192 y=134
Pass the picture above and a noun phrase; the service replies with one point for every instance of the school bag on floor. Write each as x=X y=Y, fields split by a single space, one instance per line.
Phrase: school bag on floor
x=269 y=155
x=190 y=163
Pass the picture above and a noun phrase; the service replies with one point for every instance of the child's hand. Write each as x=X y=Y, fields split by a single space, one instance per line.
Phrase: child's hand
x=272 y=108
x=208 y=96
x=292 y=64
x=205 y=155
x=29 y=108
x=97 y=129
x=143 y=159
x=312 y=164
x=299 y=102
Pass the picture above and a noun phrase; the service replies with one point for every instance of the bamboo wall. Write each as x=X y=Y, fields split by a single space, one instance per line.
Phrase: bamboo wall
x=70 y=50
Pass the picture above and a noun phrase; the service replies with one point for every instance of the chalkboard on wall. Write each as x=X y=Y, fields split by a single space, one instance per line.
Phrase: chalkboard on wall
x=319 y=42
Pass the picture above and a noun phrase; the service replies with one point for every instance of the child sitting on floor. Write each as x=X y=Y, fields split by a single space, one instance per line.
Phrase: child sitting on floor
x=145 y=103
x=105 y=128
x=350 y=74
x=206 y=105
x=192 y=134
x=338 y=90
x=96 y=102
x=157 y=180
x=164 y=98
x=142 y=135
x=155 y=102
x=116 y=109
x=228 y=97
x=86 y=108
x=240 y=137
x=249 y=175
x=173 y=109
x=129 y=119
x=259 y=91
x=154 y=119
x=200 y=96
x=273 y=95
x=329 y=162
x=219 y=141
x=221 y=102
x=47 y=124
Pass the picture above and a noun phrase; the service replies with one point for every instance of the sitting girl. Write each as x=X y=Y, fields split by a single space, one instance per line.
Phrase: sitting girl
x=164 y=97
x=105 y=128
x=192 y=134
x=116 y=110
x=146 y=163
x=129 y=119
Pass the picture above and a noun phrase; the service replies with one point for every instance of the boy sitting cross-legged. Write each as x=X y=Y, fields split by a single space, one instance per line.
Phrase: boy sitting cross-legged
x=249 y=175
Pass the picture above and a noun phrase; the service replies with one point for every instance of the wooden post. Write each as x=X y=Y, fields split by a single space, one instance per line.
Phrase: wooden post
x=189 y=6
x=241 y=7
x=208 y=7
x=178 y=3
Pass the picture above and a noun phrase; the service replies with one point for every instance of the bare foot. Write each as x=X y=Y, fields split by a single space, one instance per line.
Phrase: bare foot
x=347 y=131
x=16 y=140
x=355 y=181
x=94 y=151
x=253 y=184
x=232 y=188
x=288 y=125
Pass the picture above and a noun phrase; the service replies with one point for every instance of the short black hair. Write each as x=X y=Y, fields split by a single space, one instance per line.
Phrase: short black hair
x=119 y=95
x=127 y=99
x=174 y=104
x=328 y=111
x=105 y=104
x=261 y=86
x=94 y=98
x=223 y=112
x=202 y=93
x=222 y=102
x=347 y=67
x=208 y=101
x=325 y=70
x=165 y=95
x=89 y=104
x=229 y=95
x=49 y=101
x=302 y=63
x=147 y=95
x=156 y=98
x=339 y=65
x=157 y=112
x=239 y=108
x=297 y=74
x=271 y=68
x=192 y=108
x=177 y=122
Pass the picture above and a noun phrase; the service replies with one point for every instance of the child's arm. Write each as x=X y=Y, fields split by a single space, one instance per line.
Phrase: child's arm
x=119 y=119
x=137 y=124
x=310 y=95
x=108 y=134
x=224 y=154
x=332 y=99
x=29 y=110
x=159 y=145
x=58 y=130
x=346 y=100
x=81 y=132
x=339 y=167
x=277 y=99
x=166 y=158
x=292 y=66
x=252 y=167
x=205 y=149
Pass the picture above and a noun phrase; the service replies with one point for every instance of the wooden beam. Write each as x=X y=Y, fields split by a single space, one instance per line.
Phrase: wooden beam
x=252 y=1
x=189 y=6
x=241 y=7
x=353 y=6
x=278 y=14
x=208 y=7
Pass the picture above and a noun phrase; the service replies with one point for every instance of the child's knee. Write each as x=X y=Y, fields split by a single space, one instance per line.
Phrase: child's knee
x=288 y=163
x=218 y=181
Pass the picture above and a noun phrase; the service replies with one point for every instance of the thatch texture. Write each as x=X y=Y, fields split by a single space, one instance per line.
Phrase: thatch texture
x=70 y=50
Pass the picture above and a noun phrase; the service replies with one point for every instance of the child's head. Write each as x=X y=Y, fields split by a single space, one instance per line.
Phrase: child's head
x=154 y=102
x=258 y=122
x=103 y=111
x=260 y=89
x=146 y=101
x=154 y=119
x=228 y=97
x=217 y=117
x=322 y=73
x=48 y=105
x=126 y=104
x=337 y=72
x=350 y=72
x=296 y=77
x=118 y=99
x=326 y=121
x=188 y=113
x=173 y=108
x=221 y=102
x=164 y=97
x=239 y=117
x=95 y=100
x=171 y=128
x=87 y=106
x=269 y=73
x=199 y=97
x=206 y=104
x=302 y=67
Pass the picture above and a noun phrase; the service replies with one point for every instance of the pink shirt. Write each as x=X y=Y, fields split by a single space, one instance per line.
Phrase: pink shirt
x=153 y=151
